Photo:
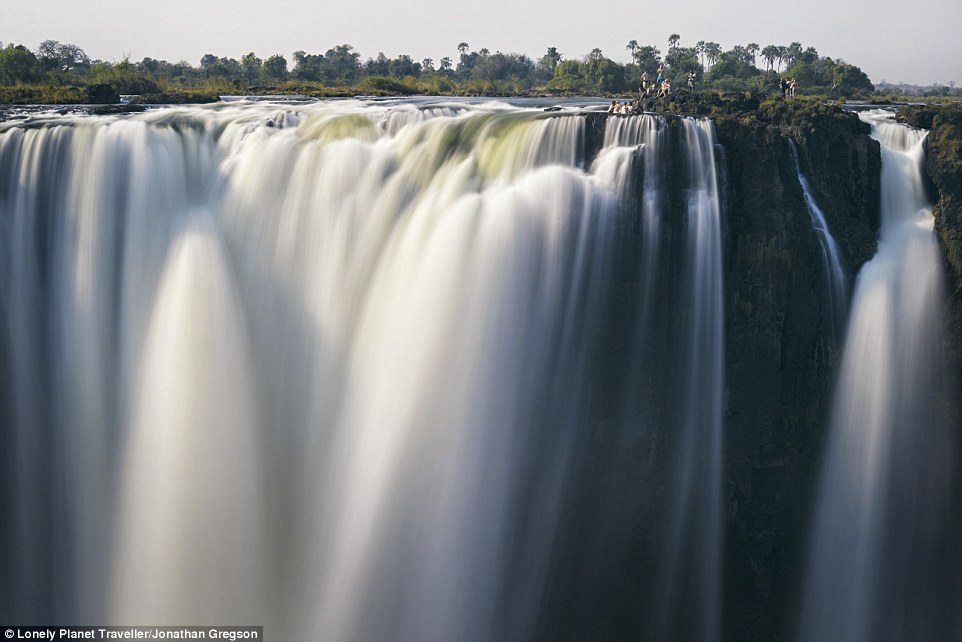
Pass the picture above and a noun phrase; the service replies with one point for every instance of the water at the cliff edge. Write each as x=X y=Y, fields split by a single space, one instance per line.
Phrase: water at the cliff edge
x=835 y=276
x=874 y=564
x=363 y=371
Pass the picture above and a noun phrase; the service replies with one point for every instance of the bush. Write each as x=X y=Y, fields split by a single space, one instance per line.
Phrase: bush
x=42 y=95
x=383 y=85
x=102 y=94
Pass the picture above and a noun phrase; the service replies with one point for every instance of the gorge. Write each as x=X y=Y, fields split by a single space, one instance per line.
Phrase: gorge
x=436 y=370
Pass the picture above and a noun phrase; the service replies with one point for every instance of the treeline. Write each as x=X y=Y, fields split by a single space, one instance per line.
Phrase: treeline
x=478 y=72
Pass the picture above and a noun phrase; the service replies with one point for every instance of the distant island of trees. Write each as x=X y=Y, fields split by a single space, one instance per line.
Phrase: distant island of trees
x=63 y=73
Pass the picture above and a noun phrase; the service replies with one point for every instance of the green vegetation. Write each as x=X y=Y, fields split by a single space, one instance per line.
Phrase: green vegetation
x=63 y=73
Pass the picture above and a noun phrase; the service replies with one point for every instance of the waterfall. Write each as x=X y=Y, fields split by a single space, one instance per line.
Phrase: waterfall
x=873 y=550
x=837 y=287
x=349 y=370
x=692 y=564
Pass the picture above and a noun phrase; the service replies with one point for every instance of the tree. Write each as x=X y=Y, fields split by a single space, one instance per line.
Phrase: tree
x=123 y=78
x=569 y=76
x=680 y=61
x=753 y=50
x=252 y=66
x=792 y=55
x=808 y=57
x=782 y=51
x=18 y=65
x=732 y=65
x=343 y=64
x=740 y=53
x=514 y=69
x=849 y=80
x=403 y=66
x=446 y=64
x=379 y=66
x=648 y=59
x=308 y=67
x=550 y=60
x=467 y=63
x=275 y=68
x=62 y=57
x=150 y=66
x=770 y=53
x=603 y=74
x=712 y=51
x=427 y=65
x=462 y=48
x=673 y=40
x=632 y=47
x=227 y=68
x=700 y=50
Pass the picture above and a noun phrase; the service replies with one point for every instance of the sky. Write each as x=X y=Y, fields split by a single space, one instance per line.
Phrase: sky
x=916 y=42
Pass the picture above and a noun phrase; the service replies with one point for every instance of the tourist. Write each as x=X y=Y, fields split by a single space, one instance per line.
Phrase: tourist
x=612 y=106
x=691 y=82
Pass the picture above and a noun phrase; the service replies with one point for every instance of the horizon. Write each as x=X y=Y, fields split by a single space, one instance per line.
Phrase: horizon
x=900 y=49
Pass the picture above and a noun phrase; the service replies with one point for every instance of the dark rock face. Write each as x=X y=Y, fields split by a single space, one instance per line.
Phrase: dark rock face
x=102 y=95
x=780 y=359
x=780 y=363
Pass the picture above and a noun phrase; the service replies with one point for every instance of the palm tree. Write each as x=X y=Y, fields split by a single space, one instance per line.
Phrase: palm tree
x=427 y=64
x=752 y=49
x=462 y=47
x=782 y=52
x=770 y=53
x=793 y=53
x=483 y=52
x=632 y=47
x=445 y=64
x=673 y=41
x=712 y=51
x=700 y=50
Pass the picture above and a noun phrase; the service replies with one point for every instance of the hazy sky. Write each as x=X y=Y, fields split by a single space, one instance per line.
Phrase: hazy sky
x=916 y=41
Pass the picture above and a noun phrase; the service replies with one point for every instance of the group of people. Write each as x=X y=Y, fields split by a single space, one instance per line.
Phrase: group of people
x=660 y=88
x=618 y=107
x=787 y=87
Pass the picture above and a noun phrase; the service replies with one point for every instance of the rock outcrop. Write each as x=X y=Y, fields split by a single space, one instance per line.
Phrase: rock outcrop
x=780 y=361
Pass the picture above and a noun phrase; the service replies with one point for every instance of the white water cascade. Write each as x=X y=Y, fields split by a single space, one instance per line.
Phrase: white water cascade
x=884 y=489
x=333 y=368
x=837 y=281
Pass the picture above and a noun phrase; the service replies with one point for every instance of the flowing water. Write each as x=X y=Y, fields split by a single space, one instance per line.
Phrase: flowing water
x=874 y=550
x=334 y=368
x=835 y=277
